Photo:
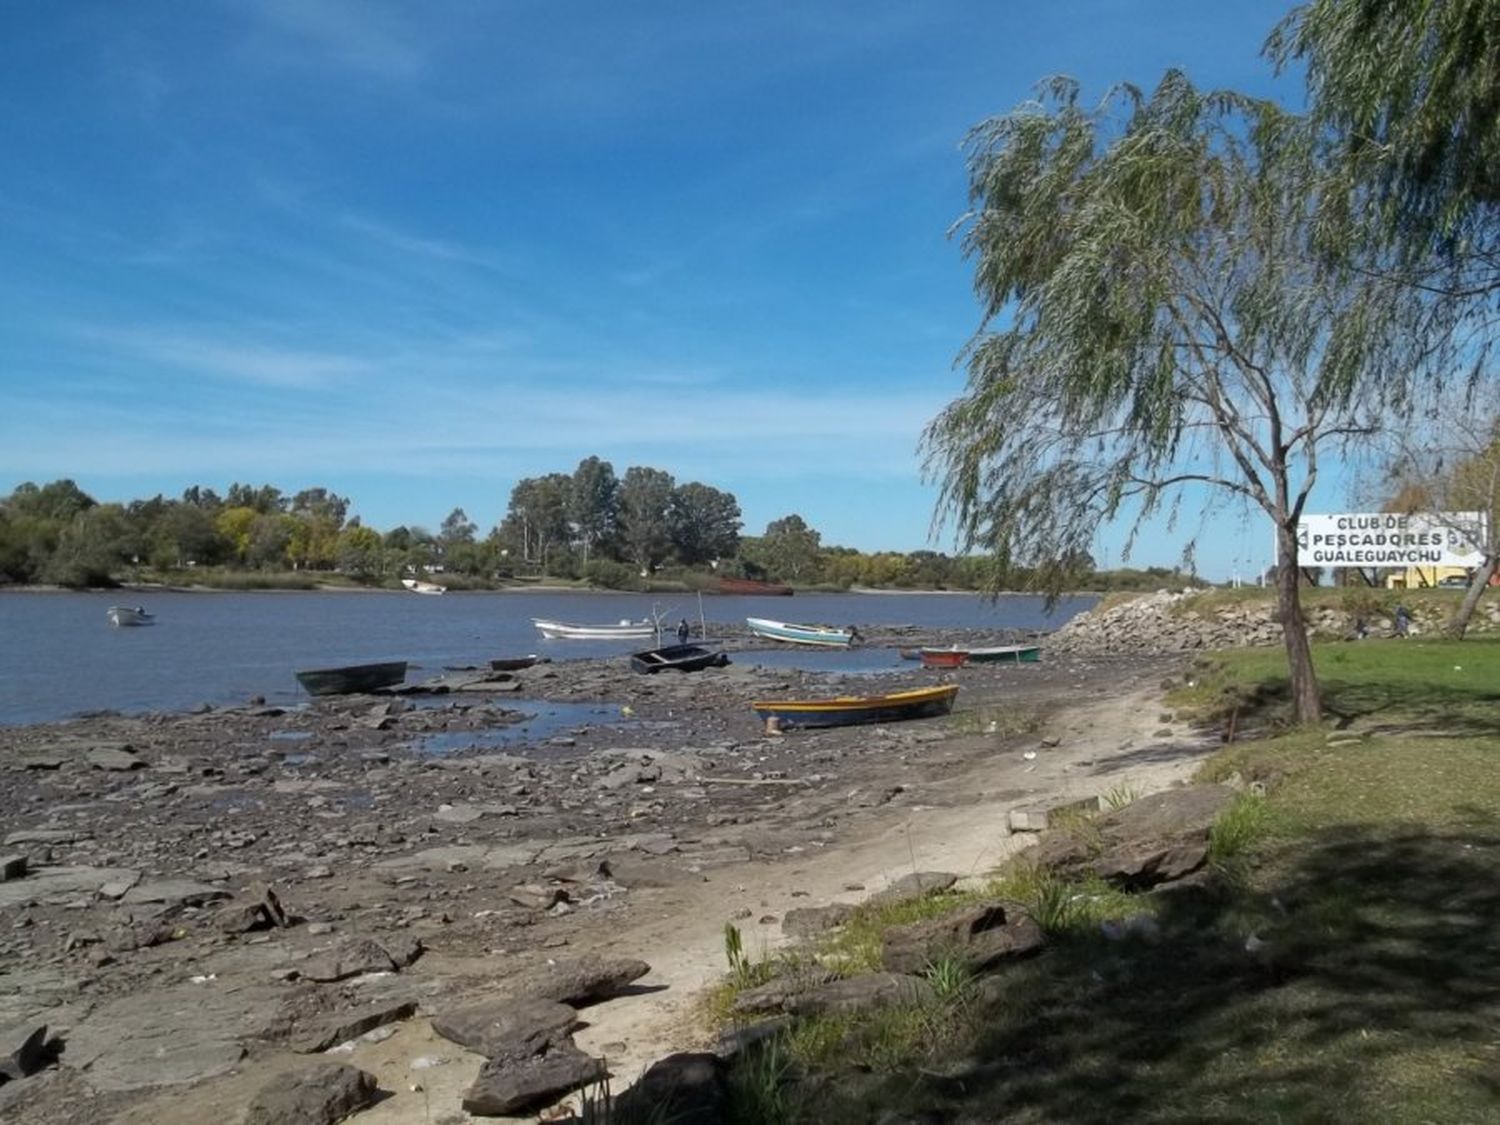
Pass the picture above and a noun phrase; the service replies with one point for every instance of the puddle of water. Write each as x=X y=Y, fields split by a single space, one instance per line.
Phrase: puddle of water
x=290 y=735
x=542 y=721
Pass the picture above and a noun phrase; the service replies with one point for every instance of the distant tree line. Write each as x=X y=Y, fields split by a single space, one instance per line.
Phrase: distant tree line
x=590 y=525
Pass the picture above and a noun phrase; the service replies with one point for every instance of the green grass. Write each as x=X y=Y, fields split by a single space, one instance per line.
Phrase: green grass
x=1344 y=965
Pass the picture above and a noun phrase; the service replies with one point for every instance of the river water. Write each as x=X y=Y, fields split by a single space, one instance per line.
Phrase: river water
x=59 y=656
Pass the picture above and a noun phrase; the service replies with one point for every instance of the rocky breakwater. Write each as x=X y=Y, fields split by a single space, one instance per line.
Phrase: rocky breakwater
x=1191 y=620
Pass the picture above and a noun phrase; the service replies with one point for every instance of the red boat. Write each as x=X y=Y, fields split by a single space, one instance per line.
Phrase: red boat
x=751 y=586
x=944 y=657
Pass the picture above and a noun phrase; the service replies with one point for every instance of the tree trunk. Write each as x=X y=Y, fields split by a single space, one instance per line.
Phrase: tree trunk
x=1307 y=698
x=1458 y=624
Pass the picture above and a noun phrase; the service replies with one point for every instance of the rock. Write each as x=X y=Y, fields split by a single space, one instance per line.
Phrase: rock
x=339 y=1027
x=1153 y=840
x=578 y=980
x=260 y=910
x=46 y=883
x=854 y=994
x=169 y=1036
x=458 y=814
x=979 y=936
x=45 y=836
x=507 y=1085
x=809 y=921
x=113 y=756
x=404 y=951
x=779 y=993
x=918 y=884
x=320 y=1095
x=504 y=1026
x=688 y=1088
x=187 y=892
x=351 y=959
x=12 y=867
x=33 y=1051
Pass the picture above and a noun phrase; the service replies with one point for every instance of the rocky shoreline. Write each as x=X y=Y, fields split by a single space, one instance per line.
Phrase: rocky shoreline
x=192 y=901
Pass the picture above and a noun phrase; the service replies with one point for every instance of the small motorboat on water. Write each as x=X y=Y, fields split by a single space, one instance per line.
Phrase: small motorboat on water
x=681 y=658
x=129 y=615
x=847 y=710
x=352 y=679
x=417 y=586
x=623 y=630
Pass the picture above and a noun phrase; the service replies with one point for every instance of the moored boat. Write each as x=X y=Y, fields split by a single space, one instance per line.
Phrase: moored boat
x=909 y=653
x=943 y=657
x=623 y=630
x=847 y=710
x=352 y=678
x=417 y=586
x=129 y=615
x=682 y=658
x=1006 y=654
x=516 y=663
x=828 y=636
x=753 y=586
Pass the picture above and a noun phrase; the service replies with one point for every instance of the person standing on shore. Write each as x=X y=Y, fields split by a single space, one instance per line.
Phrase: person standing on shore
x=682 y=631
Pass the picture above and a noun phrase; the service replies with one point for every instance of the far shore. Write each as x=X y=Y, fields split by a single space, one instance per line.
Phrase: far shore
x=335 y=588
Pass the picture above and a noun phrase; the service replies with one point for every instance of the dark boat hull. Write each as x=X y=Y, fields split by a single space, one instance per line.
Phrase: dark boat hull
x=352 y=679
x=679 y=658
x=943 y=657
x=925 y=703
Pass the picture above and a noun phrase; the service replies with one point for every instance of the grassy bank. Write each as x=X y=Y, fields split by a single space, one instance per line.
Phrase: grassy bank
x=1340 y=963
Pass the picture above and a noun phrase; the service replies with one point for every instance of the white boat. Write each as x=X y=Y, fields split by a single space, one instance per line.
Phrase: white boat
x=129 y=615
x=828 y=636
x=624 y=630
x=417 y=586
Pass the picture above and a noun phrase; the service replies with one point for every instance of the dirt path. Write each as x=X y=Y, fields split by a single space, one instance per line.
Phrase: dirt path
x=959 y=827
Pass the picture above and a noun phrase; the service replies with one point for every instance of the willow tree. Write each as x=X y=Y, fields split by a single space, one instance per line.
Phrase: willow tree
x=1156 y=332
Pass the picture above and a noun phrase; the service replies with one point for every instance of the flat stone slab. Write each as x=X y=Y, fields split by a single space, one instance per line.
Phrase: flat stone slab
x=46 y=836
x=507 y=1085
x=979 y=936
x=189 y=892
x=919 y=884
x=169 y=1036
x=855 y=994
x=47 y=883
x=579 y=980
x=319 y=1096
x=505 y=1026
x=470 y=857
x=338 y=1027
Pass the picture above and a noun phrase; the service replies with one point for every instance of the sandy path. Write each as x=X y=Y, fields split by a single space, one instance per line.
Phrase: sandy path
x=959 y=826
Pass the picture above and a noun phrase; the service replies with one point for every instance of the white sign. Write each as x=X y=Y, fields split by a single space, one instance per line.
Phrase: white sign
x=1391 y=539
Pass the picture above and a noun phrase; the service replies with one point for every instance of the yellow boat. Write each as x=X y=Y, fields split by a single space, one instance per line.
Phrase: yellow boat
x=846 y=710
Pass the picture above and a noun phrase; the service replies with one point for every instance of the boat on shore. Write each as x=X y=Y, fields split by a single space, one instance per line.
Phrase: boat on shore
x=351 y=679
x=623 y=630
x=516 y=663
x=417 y=586
x=956 y=657
x=680 y=658
x=848 y=710
x=943 y=657
x=754 y=587
x=1006 y=654
x=129 y=615
x=827 y=636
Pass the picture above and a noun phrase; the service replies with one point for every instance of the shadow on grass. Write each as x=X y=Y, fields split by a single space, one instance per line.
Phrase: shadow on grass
x=1361 y=982
x=1459 y=711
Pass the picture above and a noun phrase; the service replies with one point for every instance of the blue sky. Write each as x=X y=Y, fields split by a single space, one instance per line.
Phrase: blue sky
x=415 y=252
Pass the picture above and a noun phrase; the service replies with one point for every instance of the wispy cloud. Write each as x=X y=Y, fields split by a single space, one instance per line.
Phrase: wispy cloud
x=415 y=244
x=228 y=357
x=362 y=36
